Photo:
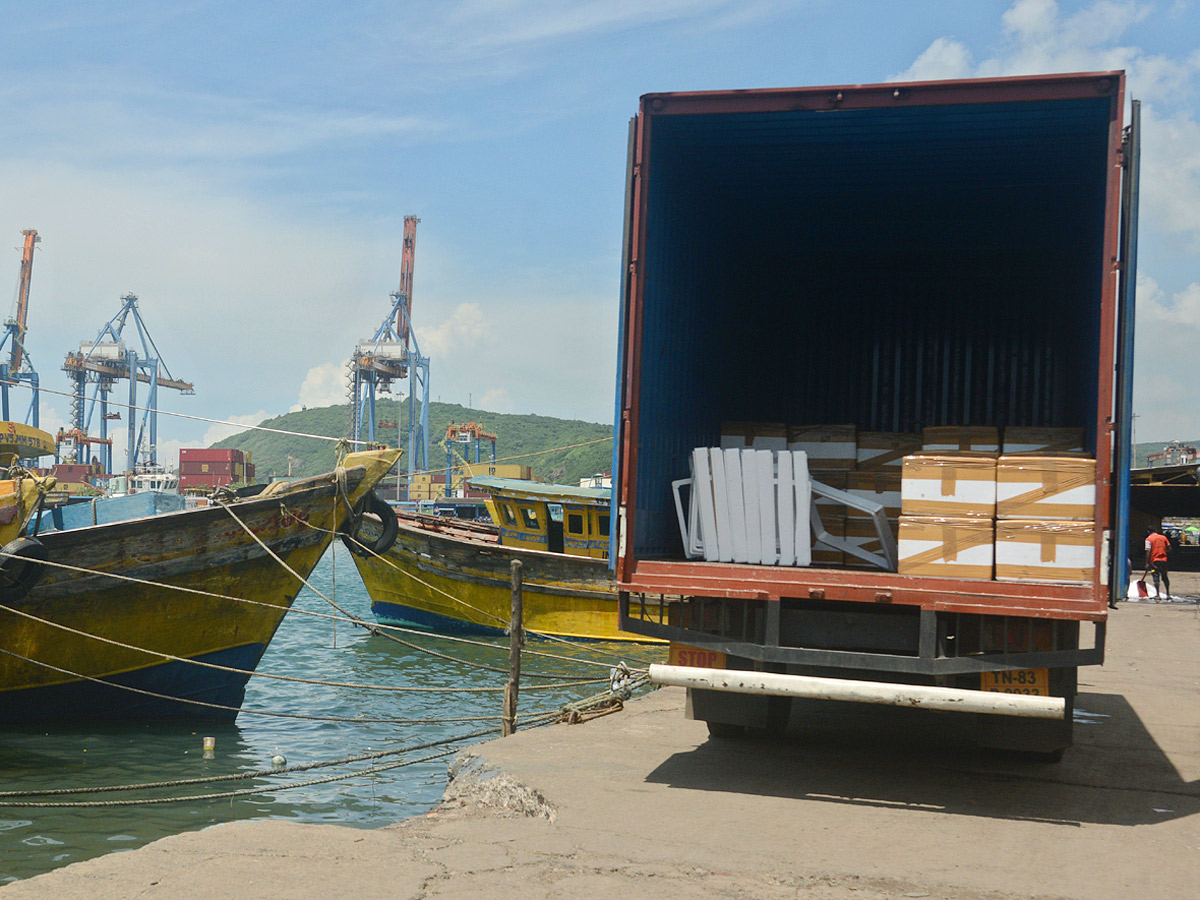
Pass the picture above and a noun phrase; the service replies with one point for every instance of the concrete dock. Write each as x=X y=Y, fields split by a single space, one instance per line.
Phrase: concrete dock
x=861 y=803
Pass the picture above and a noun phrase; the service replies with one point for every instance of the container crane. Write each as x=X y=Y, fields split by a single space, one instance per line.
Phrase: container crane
x=19 y=367
x=466 y=436
x=104 y=361
x=391 y=355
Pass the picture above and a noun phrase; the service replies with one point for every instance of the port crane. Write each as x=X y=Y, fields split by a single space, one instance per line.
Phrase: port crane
x=390 y=355
x=459 y=441
x=100 y=364
x=19 y=367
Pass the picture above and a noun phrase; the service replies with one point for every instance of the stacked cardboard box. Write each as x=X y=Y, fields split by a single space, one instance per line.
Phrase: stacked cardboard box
x=956 y=438
x=1018 y=439
x=832 y=452
x=948 y=501
x=1045 y=512
x=754 y=435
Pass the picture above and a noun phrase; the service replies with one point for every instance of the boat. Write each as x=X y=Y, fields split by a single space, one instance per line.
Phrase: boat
x=160 y=616
x=450 y=575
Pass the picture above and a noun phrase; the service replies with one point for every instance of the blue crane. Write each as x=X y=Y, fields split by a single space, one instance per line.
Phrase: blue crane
x=101 y=363
x=390 y=355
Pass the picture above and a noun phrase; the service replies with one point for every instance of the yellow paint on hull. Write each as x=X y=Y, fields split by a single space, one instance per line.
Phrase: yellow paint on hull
x=200 y=549
x=572 y=597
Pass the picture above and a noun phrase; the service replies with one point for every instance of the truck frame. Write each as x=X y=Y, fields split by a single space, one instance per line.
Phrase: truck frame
x=896 y=256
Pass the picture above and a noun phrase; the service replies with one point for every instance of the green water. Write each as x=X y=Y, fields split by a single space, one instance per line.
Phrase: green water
x=33 y=841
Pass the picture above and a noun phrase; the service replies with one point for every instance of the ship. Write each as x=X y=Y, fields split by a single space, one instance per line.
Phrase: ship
x=455 y=576
x=160 y=616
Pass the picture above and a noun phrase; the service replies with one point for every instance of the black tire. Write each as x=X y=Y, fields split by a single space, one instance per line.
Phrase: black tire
x=21 y=567
x=725 y=730
x=371 y=505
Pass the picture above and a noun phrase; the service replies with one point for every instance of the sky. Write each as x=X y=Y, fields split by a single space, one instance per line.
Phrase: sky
x=245 y=168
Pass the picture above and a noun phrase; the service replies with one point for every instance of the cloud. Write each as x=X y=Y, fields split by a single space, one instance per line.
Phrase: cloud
x=220 y=432
x=1183 y=309
x=944 y=58
x=465 y=329
x=496 y=399
x=323 y=385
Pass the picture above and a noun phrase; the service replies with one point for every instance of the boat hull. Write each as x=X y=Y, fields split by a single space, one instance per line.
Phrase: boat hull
x=454 y=583
x=86 y=645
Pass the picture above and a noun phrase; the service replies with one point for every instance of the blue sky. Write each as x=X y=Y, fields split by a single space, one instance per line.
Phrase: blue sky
x=245 y=168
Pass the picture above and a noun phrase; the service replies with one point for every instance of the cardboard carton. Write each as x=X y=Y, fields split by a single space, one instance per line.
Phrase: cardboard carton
x=885 y=449
x=945 y=484
x=830 y=448
x=1020 y=439
x=946 y=547
x=754 y=435
x=954 y=438
x=1044 y=550
x=1045 y=487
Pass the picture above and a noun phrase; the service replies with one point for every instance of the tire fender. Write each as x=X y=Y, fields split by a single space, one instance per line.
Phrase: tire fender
x=371 y=505
x=21 y=567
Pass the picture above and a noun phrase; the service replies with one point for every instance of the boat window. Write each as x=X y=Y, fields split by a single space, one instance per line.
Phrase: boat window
x=509 y=516
x=604 y=523
x=575 y=523
x=556 y=512
x=530 y=518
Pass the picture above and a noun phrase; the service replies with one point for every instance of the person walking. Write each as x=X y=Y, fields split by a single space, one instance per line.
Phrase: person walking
x=1158 y=548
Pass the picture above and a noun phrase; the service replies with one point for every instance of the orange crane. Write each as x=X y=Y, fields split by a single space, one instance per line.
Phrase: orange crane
x=464 y=435
x=15 y=329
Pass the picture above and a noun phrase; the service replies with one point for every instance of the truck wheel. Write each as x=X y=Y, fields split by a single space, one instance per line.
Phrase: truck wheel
x=725 y=730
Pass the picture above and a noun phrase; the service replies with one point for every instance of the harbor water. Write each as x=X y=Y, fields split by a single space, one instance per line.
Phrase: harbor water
x=289 y=720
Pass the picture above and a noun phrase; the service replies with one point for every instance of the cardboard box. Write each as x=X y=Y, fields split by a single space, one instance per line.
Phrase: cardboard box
x=861 y=532
x=826 y=556
x=830 y=448
x=1020 y=439
x=1046 y=487
x=960 y=485
x=1057 y=551
x=954 y=438
x=754 y=435
x=881 y=485
x=885 y=449
x=946 y=547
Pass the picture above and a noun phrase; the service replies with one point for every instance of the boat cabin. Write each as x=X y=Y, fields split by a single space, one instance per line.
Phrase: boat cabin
x=555 y=517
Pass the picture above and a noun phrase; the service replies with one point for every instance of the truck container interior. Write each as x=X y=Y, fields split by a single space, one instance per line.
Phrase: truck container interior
x=894 y=268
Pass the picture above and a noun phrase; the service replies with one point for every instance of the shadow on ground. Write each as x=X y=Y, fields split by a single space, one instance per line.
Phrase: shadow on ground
x=879 y=756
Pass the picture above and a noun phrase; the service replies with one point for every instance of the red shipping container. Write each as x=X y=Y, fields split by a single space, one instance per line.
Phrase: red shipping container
x=201 y=454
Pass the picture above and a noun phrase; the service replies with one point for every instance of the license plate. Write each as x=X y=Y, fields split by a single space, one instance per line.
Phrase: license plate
x=1018 y=681
x=686 y=655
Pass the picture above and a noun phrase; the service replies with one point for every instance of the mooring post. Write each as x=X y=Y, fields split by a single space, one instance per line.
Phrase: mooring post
x=516 y=640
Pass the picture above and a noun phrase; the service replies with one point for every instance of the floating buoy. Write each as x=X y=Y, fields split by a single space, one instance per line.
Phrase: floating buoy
x=278 y=761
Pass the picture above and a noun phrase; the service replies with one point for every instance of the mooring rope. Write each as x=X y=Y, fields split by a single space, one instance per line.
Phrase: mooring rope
x=242 y=776
x=314 y=681
x=290 y=610
x=351 y=720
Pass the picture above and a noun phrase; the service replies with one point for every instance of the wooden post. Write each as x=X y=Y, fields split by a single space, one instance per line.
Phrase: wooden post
x=516 y=635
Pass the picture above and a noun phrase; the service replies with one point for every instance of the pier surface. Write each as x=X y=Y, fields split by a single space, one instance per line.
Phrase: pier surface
x=862 y=803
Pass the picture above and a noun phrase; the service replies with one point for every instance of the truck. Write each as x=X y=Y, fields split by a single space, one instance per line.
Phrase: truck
x=894 y=257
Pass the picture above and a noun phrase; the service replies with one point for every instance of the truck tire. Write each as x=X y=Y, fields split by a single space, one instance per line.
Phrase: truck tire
x=723 y=730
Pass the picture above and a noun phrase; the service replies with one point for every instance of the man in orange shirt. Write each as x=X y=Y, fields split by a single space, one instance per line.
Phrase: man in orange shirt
x=1158 y=546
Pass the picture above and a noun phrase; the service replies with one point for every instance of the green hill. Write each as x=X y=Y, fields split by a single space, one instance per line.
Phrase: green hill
x=523 y=439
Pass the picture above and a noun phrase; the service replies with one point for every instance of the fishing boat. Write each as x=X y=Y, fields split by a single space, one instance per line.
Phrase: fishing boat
x=163 y=615
x=456 y=576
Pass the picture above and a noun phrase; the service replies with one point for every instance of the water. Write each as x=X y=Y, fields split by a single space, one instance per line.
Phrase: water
x=33 y=841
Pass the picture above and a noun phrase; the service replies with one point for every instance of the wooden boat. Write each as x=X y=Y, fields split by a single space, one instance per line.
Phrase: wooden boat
x=455 y=576
x=64 y=593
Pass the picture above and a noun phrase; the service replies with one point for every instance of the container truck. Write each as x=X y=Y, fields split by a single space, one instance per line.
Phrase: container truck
x=890 y=258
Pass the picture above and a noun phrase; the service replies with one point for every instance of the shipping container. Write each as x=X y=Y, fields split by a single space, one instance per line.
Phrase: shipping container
x=211 y=455
x=889 y=257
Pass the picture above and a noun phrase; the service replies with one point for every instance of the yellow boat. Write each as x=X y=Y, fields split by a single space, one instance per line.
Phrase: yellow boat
x=93 y=623
x=455 y=576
